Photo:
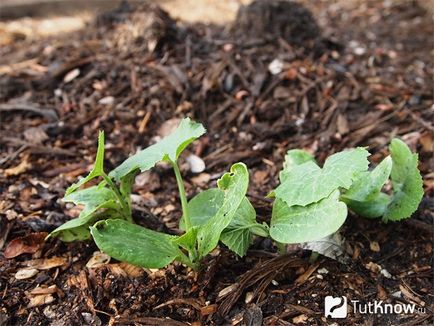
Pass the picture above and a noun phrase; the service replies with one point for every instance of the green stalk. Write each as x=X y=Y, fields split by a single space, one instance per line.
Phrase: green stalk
x=281 y=248
x=182 y=196
x=313 y=257
x=125 y=207
x=187 y=261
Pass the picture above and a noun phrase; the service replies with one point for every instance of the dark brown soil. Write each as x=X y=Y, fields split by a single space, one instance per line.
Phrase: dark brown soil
x=368 y=78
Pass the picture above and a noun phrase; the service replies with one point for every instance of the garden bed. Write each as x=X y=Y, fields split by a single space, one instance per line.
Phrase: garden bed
x=134 y=73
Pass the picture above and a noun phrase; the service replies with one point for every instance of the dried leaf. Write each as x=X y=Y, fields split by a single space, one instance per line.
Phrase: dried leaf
x=28 y=244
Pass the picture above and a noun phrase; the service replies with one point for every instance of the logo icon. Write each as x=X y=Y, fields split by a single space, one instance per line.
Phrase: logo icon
x=335 y=307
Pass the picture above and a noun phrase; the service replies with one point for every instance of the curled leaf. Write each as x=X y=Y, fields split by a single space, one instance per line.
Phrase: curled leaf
x=98 y=168
x=234 y=185
x=407 y=183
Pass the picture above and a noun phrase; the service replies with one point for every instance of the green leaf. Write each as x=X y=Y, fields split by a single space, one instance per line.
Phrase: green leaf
x=203 y=206
x=98 y=168
x=94 y=199
x=293 y=158
x=126 y=184
x=238 y=234
x=167 y=149
x=134 y=244
x=374 y=207
x=407 y=183
x=187 y=241
x=369 y=184
x=77 y=229
x=298 y=224
x=308 y=183
x=234 y=185
x=364 y=196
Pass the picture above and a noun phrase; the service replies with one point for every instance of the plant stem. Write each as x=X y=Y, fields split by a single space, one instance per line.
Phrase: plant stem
x=187 y=261
x=125 y=207
x=281 y=248
x=313 y=257
x=182 y=196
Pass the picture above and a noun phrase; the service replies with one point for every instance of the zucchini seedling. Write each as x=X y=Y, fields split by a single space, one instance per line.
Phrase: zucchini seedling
x=311 y=202
x=223 y=213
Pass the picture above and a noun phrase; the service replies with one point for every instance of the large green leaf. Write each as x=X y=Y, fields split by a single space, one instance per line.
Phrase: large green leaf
x=98 y=168
x=293 y=158
x=238 y=234
x=298 y=224
x=134 y=244
x=407 y=183
x=234 y=185
x=94 y=199
x=308 y=183
x=168 y=149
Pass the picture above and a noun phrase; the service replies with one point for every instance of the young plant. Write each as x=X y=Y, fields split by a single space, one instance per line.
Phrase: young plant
x=311 y=203
x=107 y=209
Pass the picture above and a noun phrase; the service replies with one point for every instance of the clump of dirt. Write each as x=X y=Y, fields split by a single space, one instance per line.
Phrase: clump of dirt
x=146 y=26
x=277 y=18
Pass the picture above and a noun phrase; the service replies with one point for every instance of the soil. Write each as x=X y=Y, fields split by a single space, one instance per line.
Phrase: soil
x=365 y=77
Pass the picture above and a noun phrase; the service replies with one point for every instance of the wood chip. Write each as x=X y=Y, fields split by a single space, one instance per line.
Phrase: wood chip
x=44 y=290
x=47 y=263
x=25 y=273
x=132 y=270
x=98 y=259
x=39 y=300
x=22 y=167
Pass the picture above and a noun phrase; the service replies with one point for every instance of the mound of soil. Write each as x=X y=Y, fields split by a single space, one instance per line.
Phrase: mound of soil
x=273 y=19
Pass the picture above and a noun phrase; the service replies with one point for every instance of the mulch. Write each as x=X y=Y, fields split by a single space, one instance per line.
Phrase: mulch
x=362 y=77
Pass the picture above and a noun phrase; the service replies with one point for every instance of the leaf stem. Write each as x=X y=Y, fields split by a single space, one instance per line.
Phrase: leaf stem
x=125 y=207
x=182 y=195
